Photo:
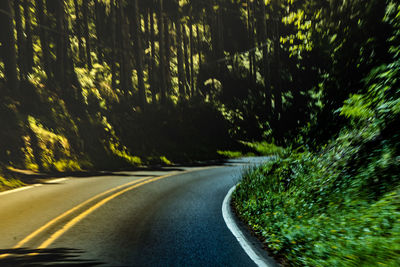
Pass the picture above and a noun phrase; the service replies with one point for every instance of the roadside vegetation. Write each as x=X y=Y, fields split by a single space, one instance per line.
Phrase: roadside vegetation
x=336 y=203
x=337 y=207
x=6 y=184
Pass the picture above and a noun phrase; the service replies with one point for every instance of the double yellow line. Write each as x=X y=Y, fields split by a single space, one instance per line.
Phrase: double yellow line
x=125 y=188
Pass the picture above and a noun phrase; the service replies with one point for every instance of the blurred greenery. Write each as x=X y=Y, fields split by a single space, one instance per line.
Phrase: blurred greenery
x=337 y=203
x=264 y=148
x=315 y=210
x=9 y=183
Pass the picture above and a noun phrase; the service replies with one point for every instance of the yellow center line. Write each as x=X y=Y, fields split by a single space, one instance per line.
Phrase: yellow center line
x=128 y=186
x=65 y=214
x=84 y=214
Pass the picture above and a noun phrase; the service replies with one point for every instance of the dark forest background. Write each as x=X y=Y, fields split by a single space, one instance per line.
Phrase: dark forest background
x=104 y=83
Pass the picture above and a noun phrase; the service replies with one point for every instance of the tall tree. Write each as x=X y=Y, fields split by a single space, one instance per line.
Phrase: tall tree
x=265 y=50
x=186 y=60
x=8 y=44
x=61 y=48
x=276 y=19
x=28 y=31
x=199 y=44
x=153 y=56
x=181 y=74
x=122 y=53
x=44 y=42
x=139 y=55
x=161 y=39
x=167 y=55
x=85 y=11
x=250 y=38
x=113 y=27
x=100 y=13
x=20 y=39
x=78 y=32
x=191 y=56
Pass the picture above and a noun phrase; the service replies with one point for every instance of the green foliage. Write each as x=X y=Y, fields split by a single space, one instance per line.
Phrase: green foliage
x=251 y=149
x=310 y=209
x=230 y=154
x=381 y=102
x=265 y=148
x=6 y=184
x=338 y=206
x=54 y=149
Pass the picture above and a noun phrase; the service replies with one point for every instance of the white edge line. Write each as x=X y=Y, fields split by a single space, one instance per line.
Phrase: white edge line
x=19 y=189
x=230 y=222
x=54 y=181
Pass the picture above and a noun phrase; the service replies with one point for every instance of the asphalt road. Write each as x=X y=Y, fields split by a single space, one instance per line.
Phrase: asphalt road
x=170 y=217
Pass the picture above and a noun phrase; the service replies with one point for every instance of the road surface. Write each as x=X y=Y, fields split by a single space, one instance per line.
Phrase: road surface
x=169 y=217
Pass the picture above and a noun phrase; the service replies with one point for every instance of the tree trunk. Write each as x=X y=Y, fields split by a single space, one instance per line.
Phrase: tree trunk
x=162 y=52
x=264 y=43
x=139 y=56
x=167 y=56
x=44 y=40
x=60 y=43
x=153 y=56
x=253 y=40
x=120 y=49
x=146 y=28
x=213 y=26
x=8 y=45
x=99 y=15
x=125 y=52
x=277 y=75
x=78 y=32
x=20 y=39
x=249 y=29
x=28 y=31
x=191 y=57
x=186 y=59
x=71 y=88
x=113 y=46
x=181 y=74
x=199 y=44
x=85 y=10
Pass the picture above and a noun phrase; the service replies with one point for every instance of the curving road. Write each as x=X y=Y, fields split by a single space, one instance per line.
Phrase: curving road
x=170 y=217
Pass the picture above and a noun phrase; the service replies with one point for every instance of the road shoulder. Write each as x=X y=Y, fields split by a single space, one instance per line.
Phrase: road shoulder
x=251 y=245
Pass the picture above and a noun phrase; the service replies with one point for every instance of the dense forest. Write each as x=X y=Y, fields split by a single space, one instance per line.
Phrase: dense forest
x=97 y=84
x=105 y=84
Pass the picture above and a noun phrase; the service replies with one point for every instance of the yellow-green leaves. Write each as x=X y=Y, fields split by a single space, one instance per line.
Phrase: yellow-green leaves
x=301 y=40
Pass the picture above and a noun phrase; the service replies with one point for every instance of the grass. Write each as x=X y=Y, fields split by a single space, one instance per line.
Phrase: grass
x=230 y=154
x=251 y=149
x=264 y=148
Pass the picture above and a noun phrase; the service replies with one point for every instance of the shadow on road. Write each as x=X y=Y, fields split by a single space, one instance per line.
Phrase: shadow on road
x=30 y=177
x=37 y=178
x=45 y=257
